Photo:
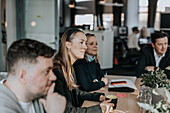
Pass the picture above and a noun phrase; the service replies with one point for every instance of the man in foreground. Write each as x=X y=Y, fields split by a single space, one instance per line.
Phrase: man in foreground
x=30 y=77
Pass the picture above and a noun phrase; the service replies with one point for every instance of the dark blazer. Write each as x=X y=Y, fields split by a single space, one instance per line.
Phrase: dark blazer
x=86 y=72
x=147 y=58
x=75 y=97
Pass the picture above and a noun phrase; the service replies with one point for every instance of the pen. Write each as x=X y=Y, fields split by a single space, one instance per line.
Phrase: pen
x=106 y=74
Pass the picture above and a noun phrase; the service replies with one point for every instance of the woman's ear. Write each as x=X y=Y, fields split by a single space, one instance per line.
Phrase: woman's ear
x=68 y=45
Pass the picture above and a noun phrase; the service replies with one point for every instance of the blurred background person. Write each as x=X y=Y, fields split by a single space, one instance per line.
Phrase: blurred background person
x=89 y=75
x=72 y=48
x=133 y=40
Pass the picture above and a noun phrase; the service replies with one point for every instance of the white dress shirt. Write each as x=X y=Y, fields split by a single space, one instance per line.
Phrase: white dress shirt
x=157 y=58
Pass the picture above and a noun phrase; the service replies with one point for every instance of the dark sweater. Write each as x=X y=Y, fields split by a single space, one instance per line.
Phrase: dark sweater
x=75 y=97
x=86 y=72
x=147 y=59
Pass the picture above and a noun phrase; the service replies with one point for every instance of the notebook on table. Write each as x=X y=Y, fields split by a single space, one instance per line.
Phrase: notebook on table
x=121 y=85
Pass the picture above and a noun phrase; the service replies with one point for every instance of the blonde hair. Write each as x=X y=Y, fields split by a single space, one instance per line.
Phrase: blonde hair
x=64 y=60
x=88 y=35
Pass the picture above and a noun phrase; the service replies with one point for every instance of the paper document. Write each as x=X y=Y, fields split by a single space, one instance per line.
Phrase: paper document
x=118 y=83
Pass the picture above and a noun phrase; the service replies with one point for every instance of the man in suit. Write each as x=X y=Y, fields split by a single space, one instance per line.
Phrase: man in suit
x=155 y=57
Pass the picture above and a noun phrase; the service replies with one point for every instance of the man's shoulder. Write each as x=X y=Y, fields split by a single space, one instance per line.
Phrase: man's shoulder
x=6 y=93
x=168 y=49
x=168 y=52
x=132 y=34
x=3 y=89
x=8 y=101
x=147 y=49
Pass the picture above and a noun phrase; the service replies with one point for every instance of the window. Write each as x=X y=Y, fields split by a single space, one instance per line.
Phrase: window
x=86 y=19
x=107 y=21
x=143 y=12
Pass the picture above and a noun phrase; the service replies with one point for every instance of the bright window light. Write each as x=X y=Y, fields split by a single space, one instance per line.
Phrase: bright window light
x=86 y=19
x=82 y=0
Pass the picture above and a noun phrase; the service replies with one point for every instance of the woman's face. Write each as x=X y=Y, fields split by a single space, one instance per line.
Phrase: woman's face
x=92 y=46
x=78 y=46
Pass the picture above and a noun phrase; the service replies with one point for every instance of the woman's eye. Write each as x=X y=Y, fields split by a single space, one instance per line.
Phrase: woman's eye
x=91 y=43
x=81 y=42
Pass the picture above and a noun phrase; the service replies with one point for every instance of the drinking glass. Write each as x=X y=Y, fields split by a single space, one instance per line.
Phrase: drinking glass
x=145 y=96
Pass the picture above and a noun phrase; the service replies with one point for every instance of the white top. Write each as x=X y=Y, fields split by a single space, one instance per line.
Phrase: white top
x=27 y=107
x=133 y=42
x=157 y=58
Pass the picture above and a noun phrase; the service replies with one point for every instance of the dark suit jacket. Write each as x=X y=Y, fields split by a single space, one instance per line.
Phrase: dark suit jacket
x=147 y=58
x=75 y=97
x=86 y=72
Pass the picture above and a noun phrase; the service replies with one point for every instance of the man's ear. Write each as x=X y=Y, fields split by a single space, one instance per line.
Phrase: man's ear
x=68 y=45
x=153 y=45
x=22 y=76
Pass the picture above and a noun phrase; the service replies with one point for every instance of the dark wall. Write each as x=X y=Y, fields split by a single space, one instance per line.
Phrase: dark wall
x=165 y=24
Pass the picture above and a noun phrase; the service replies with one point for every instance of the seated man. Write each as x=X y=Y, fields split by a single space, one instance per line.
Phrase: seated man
x=30 y=77
x=155 y=57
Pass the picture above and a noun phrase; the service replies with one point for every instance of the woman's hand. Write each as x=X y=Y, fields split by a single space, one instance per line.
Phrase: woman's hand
x=102 y=98
x=104 y=80
x=107 y=107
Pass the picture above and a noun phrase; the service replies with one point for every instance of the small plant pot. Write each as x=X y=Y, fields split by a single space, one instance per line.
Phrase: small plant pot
x=160 y=96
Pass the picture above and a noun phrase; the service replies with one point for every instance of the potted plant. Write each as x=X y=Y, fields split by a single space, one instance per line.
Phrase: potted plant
x=162 y=106
x=156 y=80
x=158 y=83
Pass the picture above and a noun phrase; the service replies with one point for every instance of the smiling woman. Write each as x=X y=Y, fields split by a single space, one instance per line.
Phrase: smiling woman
x=72 y=48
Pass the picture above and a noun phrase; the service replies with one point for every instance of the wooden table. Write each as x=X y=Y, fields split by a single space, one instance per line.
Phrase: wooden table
x=127 y=104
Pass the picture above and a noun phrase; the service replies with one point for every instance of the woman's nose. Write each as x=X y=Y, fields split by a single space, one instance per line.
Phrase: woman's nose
x=85 y=46
x=95 y=46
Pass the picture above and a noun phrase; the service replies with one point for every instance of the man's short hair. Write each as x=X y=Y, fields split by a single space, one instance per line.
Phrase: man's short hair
x=135 y=29
x=26 y=50
x=158 y=34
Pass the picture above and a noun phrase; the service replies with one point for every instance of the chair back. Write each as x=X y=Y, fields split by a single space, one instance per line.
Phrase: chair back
x=3 y=75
